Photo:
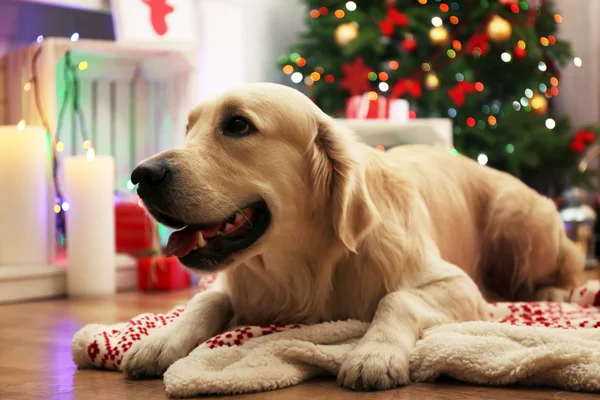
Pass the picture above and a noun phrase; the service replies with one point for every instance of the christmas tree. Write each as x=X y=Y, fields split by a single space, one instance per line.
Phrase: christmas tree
x=490 y=65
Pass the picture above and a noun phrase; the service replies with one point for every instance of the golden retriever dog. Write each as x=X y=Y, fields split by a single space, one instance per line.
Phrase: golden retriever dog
x=306 y=224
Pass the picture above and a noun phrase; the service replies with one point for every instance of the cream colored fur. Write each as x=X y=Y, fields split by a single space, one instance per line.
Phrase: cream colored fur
x=403 y=239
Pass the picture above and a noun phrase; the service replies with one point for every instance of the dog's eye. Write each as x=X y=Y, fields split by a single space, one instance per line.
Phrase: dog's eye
x=237 y=126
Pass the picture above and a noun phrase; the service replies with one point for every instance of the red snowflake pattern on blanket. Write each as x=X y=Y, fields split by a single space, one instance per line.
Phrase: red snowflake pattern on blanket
x=107 y=347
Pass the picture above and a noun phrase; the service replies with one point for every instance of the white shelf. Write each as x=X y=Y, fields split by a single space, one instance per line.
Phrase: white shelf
x=25 y=282
x=86 y=5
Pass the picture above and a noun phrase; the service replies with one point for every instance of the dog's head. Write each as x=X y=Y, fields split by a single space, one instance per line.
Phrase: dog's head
x=257 y=165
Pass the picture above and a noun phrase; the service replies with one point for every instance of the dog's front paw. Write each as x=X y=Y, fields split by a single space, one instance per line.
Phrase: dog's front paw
x=375 y=366
x=151 y=356
x=555 y=294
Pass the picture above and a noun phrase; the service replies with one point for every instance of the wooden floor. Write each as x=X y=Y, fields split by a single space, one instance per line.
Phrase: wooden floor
x=35 y=359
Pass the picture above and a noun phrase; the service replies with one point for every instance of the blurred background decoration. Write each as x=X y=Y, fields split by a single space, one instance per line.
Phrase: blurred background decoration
x=492 y=66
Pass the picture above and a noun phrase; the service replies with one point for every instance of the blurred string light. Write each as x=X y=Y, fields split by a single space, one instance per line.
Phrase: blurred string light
x=75 y=37
x=40 y=39
x=288 y=69
x=21 y=125
x=27 y=86
x=485 y=109
x=350 y=6
x=496 y=107
x=373 y=96
x=544 y=41
x=528 y=93
x=482 y=159
x=460 y=77
x=444 y=8
x=339 y=14
x=451 y=53
x=82 y=65
x=297 y=77
x=315 y=76
x=577 y=61
x=384 y=87
x=454 y=20
x=524 y=101
x=436 y=21
x=492 y=120
x=393 y=65
x=542 y=87
x=550 y=123
x=516 y=105
x=451 y=112
x=510 y=148
x=558 y=19
x=383 y=76
x=506 y=57
x=542 y=66
x=65 y=206
x=60 y=146
x=57 y=208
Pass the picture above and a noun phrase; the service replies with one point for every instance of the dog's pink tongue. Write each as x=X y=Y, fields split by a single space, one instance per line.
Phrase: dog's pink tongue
x=181 y=243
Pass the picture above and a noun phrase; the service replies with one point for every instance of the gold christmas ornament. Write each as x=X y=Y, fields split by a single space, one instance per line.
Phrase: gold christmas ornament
x=499 y=29
x=345 y=33
x=432 y=81
x=539 y=104
x=438 y=36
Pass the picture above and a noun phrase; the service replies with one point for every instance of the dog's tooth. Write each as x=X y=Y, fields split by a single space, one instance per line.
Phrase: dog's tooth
x=227 y=227
x=238 y=216
x=201 y=241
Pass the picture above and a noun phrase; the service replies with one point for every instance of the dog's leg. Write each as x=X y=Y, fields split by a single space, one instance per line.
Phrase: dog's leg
x=204 y=316
x=381 y=359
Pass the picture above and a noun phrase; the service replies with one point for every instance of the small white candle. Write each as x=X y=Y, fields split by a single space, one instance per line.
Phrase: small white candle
x=399 y=109
x=89 y=190
x=24 y=204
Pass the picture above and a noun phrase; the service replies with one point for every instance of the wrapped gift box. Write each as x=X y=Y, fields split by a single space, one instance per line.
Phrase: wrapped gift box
x=160 y=273
x=134 y=229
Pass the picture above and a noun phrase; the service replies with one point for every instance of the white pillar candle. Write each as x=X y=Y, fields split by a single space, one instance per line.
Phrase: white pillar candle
x=89 y=190
x=24 y=205
x=399 y=109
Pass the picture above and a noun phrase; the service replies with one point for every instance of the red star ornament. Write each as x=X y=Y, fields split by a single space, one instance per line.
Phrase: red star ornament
x=356 y=77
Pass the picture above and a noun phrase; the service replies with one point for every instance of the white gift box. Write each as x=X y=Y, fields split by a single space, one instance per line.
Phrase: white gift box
x=429 y=131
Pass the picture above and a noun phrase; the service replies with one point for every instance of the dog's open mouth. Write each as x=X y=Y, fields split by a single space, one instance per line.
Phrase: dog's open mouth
x=209 y=245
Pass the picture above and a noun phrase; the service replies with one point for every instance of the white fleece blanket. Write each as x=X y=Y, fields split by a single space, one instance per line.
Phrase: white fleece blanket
x=543 y=344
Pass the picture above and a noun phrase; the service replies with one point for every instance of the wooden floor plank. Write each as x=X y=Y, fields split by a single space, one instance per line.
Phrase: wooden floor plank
x=35 y=359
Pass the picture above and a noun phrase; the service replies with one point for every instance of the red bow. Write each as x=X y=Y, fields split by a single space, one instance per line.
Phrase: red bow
x=581 y=138
x=478 y=41
x=394 y=17
x=410 y=86
x=457 y=93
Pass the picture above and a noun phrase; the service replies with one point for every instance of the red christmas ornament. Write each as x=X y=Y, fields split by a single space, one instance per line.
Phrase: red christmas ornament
x=158 y=13
x=393 y=18
x=409 y=44
x=458 y=93
x=519 y=53
x=411 y=86
x=356 y=77
x=478 y=43
x=579 y=141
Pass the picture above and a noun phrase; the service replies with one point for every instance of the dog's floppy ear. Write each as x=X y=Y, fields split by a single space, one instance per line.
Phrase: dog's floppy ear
x=339 y=180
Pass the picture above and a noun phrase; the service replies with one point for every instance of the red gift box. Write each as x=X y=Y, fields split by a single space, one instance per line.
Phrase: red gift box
x=160 y=273
x=134 y=231
x=363 y=107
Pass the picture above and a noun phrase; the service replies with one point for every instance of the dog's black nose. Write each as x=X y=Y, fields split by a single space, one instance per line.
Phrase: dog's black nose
x=151 y=173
